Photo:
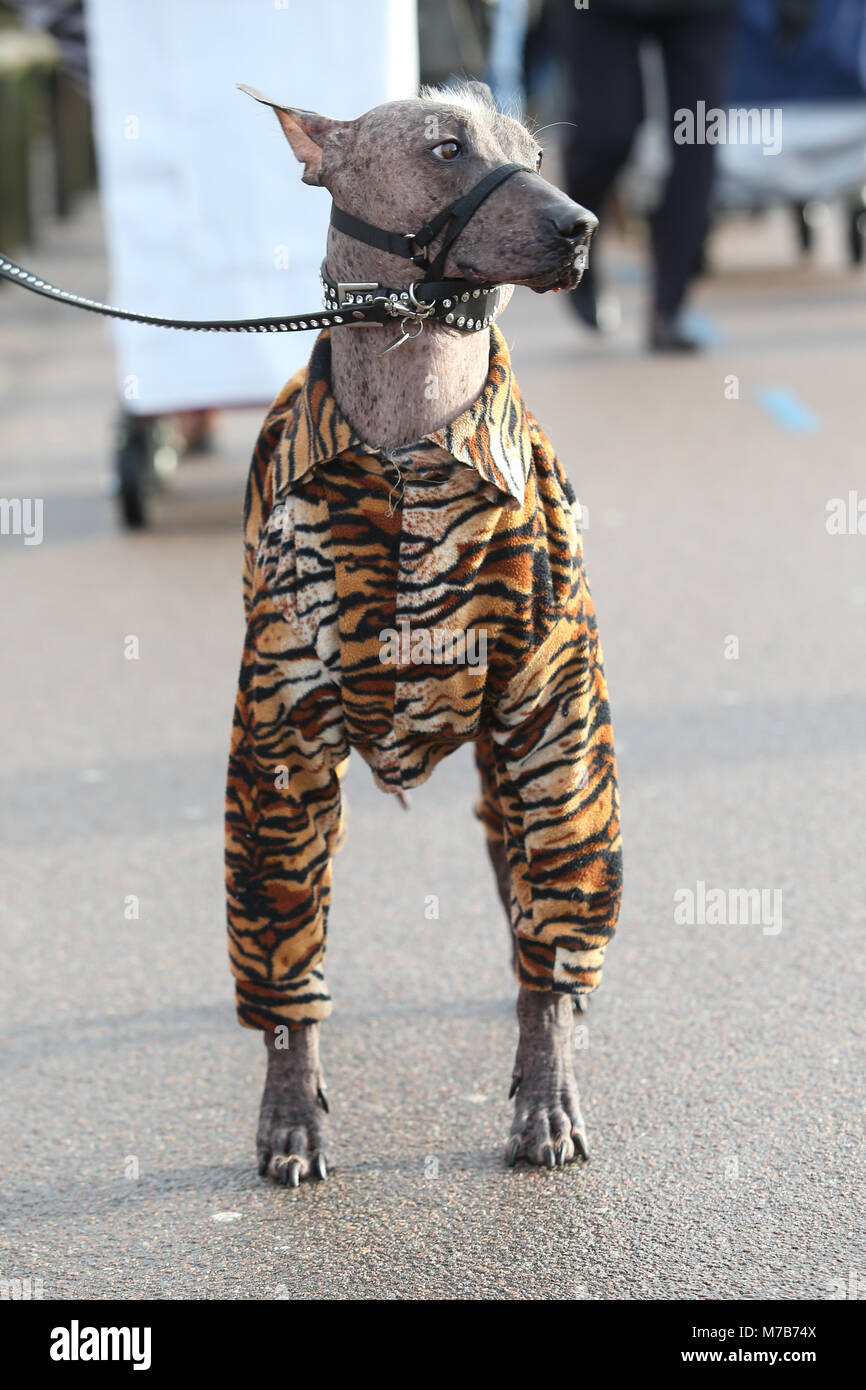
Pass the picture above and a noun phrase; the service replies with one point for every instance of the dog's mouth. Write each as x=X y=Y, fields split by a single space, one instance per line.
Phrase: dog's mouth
x=557 y=280
x=566 y=275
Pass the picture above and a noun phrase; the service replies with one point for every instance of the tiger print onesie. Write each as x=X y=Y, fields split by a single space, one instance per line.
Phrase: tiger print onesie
x=472 y=530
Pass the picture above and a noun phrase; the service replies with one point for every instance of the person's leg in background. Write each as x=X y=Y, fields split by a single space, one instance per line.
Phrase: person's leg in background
x=604 y=91
x=695 y=50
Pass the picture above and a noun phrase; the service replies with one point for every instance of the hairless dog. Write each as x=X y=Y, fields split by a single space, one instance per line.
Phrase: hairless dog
x=413 y=486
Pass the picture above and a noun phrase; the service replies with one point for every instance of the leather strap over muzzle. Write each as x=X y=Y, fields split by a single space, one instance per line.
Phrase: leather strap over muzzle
x=414 y=246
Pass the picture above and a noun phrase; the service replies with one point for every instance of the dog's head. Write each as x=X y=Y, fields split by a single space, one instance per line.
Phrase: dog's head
x=401 y=163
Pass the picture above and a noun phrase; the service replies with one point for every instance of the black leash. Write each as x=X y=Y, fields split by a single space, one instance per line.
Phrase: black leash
x=288 y=323
x=355 y=304
x=460 y=304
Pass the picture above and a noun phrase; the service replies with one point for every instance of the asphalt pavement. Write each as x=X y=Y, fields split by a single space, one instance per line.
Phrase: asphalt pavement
x=721 y=1062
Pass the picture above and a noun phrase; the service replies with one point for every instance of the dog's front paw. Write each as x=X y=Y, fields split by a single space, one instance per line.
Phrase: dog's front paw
x=290 y=1142
x=547 y=1130
x=291 y=1152
x=548 y=1124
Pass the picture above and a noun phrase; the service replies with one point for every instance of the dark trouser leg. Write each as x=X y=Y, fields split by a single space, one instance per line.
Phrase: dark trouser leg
x=599 y=55
x=695 y=51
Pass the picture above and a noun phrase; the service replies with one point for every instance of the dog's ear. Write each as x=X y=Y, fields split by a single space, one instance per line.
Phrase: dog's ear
x=306 y=132
x=481 y=91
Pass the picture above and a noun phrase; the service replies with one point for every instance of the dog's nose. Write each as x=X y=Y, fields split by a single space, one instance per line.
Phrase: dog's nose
x=576 y=223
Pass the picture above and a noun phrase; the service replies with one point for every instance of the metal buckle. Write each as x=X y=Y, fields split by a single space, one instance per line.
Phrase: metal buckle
x=419 y=257
x=349 y=286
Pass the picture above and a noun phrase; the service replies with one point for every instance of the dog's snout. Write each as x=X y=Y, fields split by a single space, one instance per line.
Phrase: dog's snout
x=576 y=223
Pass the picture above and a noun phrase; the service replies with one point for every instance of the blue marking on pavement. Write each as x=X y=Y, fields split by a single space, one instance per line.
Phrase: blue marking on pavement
x=701 y=328
x=788 y=410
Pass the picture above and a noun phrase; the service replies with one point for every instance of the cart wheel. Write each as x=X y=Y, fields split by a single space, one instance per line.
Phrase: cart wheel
x=857 y=234
x=136 y=477
x=804 y=227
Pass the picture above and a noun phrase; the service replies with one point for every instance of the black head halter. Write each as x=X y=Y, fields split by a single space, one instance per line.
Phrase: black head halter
x=414 y=246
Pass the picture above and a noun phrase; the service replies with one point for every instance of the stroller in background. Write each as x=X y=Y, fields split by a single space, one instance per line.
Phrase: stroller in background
x=808 y=59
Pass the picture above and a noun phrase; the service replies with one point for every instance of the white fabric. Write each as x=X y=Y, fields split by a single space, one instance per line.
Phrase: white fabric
x=201 y=193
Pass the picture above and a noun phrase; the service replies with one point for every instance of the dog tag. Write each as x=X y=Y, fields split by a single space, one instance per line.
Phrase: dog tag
x=406 y=335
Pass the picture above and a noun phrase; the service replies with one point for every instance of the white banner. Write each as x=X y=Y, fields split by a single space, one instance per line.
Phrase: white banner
x=206 y=216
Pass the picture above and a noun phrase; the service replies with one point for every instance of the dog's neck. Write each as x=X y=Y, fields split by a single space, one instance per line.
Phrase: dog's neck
x=419 y=387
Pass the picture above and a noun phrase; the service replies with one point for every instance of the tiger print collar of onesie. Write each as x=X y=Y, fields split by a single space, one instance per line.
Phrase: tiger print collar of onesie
x=492 y=435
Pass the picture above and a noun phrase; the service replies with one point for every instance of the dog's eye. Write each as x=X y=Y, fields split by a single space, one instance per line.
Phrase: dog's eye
x=538 y=161
x=449 y=149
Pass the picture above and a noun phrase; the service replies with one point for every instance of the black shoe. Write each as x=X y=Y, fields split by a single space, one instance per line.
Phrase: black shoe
x=668 y=335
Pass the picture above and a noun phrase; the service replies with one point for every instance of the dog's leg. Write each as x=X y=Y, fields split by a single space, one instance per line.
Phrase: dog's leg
x=498 y=856
x=499 y=859
x=489 y=812
x=290 y=1140
x=548 y=1125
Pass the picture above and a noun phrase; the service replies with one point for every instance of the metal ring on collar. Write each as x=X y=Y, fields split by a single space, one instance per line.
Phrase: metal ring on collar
x=423 y=307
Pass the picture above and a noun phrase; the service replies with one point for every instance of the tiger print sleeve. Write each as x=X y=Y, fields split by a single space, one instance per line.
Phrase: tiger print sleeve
x=283 y=801
x=261 y=482
x=555 y=774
